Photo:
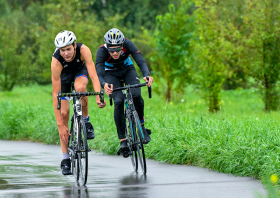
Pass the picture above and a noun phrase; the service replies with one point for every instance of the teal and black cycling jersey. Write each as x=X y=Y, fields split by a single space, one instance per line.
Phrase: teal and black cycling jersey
x=104 y=61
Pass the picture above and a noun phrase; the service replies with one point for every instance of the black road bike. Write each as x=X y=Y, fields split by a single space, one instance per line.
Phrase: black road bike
x=133 y=131
x=77 y=145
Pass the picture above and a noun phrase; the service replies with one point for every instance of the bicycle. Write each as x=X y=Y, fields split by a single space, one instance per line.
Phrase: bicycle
x=77 y=144
x=133 y=130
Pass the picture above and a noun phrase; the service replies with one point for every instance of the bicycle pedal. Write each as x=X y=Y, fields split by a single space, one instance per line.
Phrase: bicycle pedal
x=126 y=155
x=134 y=148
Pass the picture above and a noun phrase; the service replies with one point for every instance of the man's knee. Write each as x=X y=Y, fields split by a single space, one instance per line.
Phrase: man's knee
x=118 y=102
x=81 y=88
x=136 y=95
x=65 y=115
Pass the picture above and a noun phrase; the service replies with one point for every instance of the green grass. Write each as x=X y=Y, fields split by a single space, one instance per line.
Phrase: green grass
x=241 y=139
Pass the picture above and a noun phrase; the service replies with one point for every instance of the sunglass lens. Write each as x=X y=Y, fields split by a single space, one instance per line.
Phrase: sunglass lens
x=114 y=49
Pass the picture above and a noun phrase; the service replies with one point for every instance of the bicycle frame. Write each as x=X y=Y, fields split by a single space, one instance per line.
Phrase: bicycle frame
x=129 y=106
x=78 y=147
x=133 y=127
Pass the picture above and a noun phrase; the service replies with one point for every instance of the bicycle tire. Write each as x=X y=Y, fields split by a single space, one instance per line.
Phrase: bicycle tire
x=83 y=153
x=131 y=142
x=138 y=133
x=72 y=145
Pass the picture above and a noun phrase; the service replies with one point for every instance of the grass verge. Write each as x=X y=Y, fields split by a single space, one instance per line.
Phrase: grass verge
x=241 y=139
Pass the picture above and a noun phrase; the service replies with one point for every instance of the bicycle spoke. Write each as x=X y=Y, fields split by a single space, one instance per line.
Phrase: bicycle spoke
x=131 y=142
x=72 y=144
x=76 y=168
x=83 y=154
x=140 y=147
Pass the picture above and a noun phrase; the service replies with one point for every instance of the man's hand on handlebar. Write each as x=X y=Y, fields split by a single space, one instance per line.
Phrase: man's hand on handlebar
x=108 y=90
x=150 y=81
x=99 y=103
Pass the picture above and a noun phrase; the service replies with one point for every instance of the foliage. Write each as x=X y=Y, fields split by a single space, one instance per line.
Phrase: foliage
x=10 y=68
x=231 y=46
x=259 y=48
x=171 y=47
x=135 y=13
x=211 y=52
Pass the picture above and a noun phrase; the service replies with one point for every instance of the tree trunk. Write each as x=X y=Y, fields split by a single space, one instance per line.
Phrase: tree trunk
x=168 y=93
x=270 y=77
x=213 y=102
x=5 y=86
x=270 y=96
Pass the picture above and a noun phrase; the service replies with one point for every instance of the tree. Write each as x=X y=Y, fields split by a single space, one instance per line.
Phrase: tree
x=213 y=52
x=11 y=36
x=135 y=13
x=171 y=46
x=260 y=47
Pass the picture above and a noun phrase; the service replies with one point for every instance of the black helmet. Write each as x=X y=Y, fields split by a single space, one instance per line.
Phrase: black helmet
x=114 y=37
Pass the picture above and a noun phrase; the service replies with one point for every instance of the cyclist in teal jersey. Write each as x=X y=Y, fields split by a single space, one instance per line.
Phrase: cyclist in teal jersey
x=113 y=64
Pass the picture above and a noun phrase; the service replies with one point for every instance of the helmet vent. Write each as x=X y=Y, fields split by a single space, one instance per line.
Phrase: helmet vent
x=114 y=36
x=64 y=38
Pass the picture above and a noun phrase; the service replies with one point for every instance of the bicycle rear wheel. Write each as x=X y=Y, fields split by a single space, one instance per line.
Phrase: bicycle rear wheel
x=139 y=135
x=83 y=153
x=72 y=146
x=131 y=142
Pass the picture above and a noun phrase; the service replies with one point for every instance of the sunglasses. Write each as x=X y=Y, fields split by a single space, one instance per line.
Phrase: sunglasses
x=117 y=49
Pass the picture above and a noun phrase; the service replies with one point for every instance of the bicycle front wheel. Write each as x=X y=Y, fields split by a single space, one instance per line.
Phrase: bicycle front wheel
x=139 y=136
x=132 y=142
x=72 y=146
x=82 y=153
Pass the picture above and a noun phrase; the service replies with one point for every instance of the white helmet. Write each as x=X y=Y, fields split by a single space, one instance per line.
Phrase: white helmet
x=64 y=38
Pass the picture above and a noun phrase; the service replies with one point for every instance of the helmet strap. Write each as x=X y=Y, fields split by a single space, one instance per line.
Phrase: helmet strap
x=74 y=51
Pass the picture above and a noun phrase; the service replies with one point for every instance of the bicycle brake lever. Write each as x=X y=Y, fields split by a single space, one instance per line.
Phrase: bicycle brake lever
x=102 y=96
x=110 y=96
x=150 y=92
x=149 y=88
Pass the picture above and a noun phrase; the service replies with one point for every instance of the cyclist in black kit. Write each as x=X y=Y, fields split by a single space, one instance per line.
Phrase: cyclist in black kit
x=71 y=62
x=113 y=63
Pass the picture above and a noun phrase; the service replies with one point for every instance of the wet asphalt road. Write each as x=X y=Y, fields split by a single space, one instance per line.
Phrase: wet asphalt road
x=32 y=170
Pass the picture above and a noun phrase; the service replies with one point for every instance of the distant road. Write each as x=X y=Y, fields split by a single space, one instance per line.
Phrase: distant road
x=32 y=170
